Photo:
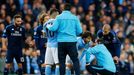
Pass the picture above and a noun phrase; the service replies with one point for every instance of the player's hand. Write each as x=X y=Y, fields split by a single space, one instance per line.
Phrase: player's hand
x=43 y=65
x=116 y=59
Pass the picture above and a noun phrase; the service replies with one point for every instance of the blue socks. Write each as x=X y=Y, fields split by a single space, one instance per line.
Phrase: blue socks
x=68 y=71
x=57 y=70
x=48 y=70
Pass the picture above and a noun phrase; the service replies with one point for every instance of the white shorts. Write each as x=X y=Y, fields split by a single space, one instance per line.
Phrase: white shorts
x=51 y=56
x=68 y=60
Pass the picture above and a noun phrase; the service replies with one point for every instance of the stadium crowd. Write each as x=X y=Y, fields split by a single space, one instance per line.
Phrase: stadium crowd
x=93 y=14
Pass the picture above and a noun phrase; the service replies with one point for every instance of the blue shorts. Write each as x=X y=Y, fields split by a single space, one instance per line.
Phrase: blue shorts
x=17 y=54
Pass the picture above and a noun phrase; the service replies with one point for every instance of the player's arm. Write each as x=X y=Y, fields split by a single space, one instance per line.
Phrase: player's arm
x=89 y=52
x=4 y=39
x=113 y=37
x=36 y=37
x=99 y=34
x=55 y=25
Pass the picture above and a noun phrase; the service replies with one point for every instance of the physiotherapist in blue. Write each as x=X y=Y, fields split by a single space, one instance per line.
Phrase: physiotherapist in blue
x=105 y=64
x=68 y=27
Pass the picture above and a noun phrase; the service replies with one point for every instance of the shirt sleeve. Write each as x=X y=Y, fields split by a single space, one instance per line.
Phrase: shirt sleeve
x=113 y=37
x=55 y=25
x=99 y=34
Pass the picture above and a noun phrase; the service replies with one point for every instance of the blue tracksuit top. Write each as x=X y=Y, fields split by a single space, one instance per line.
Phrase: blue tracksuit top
x=103 y=57
x=67 y=26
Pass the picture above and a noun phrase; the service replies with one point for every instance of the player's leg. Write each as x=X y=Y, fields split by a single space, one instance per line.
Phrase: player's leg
x=9 y=60
x=56 y=60
x=73 y=54
x=40 y=60
x=6 y=69
x=94 y=69
x=19 y=58
x=48 y=61
x=68 y=65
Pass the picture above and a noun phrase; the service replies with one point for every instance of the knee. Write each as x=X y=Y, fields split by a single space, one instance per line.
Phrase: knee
x=69 y=66
x=8 y=66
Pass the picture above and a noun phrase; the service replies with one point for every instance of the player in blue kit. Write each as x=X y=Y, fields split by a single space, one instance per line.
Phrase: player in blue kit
x=51 y=56
x=14 y=35
x=83 y=43
x=40 y=38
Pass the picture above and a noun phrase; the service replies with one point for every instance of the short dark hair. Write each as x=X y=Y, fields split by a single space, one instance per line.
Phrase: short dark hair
x=86 y=34
x=67 y=6
x=17 y=16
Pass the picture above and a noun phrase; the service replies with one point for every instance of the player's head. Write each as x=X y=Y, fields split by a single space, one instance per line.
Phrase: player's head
x=43 y=17
x=87 y=36
x=54 y=13
x=106 y=29
x=17 y=20
x=67 y=7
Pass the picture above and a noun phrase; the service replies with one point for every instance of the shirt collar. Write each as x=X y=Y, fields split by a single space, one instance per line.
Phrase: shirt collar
x=66 y=11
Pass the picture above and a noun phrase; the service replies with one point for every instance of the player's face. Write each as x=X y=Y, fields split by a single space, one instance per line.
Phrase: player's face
x=88 y=39
x=46 y=18
x=18 y=21
x=105 y=32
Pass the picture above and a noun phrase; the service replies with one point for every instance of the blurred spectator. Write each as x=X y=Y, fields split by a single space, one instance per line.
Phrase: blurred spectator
x=2 y=27
x=34 y=62
x=29 y=30
x=73 y=10
x=80 y=13
x=121 y=36
x=2 y=15
x=131 y=36
x=124 y=65
x=127 y=47
x=27 y=61
x=131 y=26
x=131 y=63
x=2 y=60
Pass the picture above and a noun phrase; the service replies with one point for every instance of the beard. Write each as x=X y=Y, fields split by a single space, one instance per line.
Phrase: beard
x=17 y=24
